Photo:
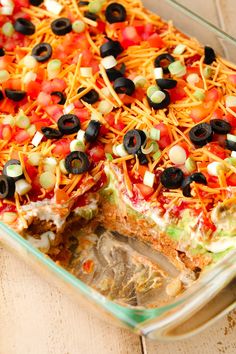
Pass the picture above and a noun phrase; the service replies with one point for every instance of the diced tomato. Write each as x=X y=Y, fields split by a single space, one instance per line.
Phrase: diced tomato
x=192 y=70
x=97 y=153
x=200 y=112
x=44 y=99
x=62 y=148
x=146 y=191
x=230 y=119
x=141 y=170
x=178 y=93
x=88 y=266
x=117 y=26
x=212 y=95
x=130 y=37
x=108 y=149
x=6 y=132
x=5 y=61
x=21 y=3
x=156 y=41
x=189 y=61
x=61 y=196
x=33 y=89
x=54 y=85
x=217 y=114
x=12 y=84
x=7 y=106
x=126 y=99
x=54 y=111
x=232 y=79
x=231 y=180
x=82 y=114
x=217 y=150
x=22 y=136
x=165 y=137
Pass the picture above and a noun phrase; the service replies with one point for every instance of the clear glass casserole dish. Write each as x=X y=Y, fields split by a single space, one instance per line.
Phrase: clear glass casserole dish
x=216 y=288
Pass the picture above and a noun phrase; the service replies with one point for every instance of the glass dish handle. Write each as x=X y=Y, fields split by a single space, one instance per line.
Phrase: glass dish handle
x=204 y=307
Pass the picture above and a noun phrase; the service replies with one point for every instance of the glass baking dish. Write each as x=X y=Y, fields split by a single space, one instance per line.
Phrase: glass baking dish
x=210 y=297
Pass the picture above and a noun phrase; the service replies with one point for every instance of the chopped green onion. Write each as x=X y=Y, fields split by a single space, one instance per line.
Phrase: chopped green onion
x=47 y=180
x=22 y=121
x=193 y=79
x=158 y=97
x=155 y=146
x=80 y=136
x=109 y=156
x=53 y=68
x=95 y=115
x=155 y=134
x=151 y=90
x=62 y=167
x=105 y=107
x=9 y=120
x=8 y=29
x=158 y=73
x=86 y=71
x=207 y=72
x=140 y=81
x=23 y=187
x=34 y=158
x=190 y=165
x=179 y=49
x=29 y=61
x=50 y=164
x=30 y=76
x=148 y=150
x=78 y=26
x=77 y=145
x=9 y=217
x=119 y=150
x=231 y=137
x=199 y=95
x=177 y=68
x=4 y=76
x=230 y=101
x=231 y=161
x=157 y=155
x=109 y=62
x=94 y=6
x=105 y=91
x=149 y=179
x=32 y=130
x=14 y=170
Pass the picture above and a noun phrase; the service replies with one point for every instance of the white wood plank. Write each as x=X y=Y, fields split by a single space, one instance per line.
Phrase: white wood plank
x=36 y=318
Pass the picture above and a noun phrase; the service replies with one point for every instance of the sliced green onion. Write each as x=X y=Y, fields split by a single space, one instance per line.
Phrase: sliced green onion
x=193 y=79
x=119 y=150
x=158 y=97
x=4 y=76
x=151 y=90
x=231 y=161
x=23 y=187
x=77 y=145
x=230 y=101
x=109 y=62
x=47 y=180
x=157 y=155
x=62 y=167
x=9 y=217
x=190 y=165
x=50 y=164
x=94 y=6
x=149 y=179
x=155 y=146
x=207 y=72
x=231 y=137
x=148 y=150
x=105 y=91
x=81 y=136
x=9 y=120
x=95 y=115
x=53 y=68
x=14 y=170
x=108 y=156
x=199 y=95
x=32 y=130
x=34 y=158
x=105 y=107
x=179 y=49
x=140 y=81
x=78 y=26
x=158 y=73
x=8 y=29
x=29 y=61
x=86 y=71
x=22 y=121
x=30 y=76
x=155 y=134
x=177 y=68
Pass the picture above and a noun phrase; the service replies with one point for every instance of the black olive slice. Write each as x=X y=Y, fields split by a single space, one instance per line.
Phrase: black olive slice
x=77 y=162
x=133 y=140
x=166 y=83
x=197 y=177
x=51 y=133
x=7 y=187
x=172 y=178
x=83 y=3
x=124 y=85
x=42 y=52
x=164 y=57
x=68 y=124
x=24 y=26
x=36 y=2
x=60 y=95
x=220 y=126
x=61 y=26
x=209 y=55
x=165 y=103
x=113 y=74
x=90 y=15
x=9 y=163
x=201 y=134
x=111 y=48
x=92 y=131
x=230 y=145
x=143 y=160
x=1 y=96
x=90 y=97
x=2 y=52
x=115 y=13
x=15 y=95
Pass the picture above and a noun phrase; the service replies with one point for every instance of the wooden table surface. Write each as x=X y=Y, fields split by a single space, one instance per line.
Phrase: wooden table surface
x=36 y=318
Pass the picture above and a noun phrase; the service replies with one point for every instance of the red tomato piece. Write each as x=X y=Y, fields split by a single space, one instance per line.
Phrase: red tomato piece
x=200 y=112
x=232 y=79
x=156 y=41
x=22 y=136
x=231 y=180
x=178 y=93
x=130 y=37
x=217 y=150
x=230 y=119
x=212 y=95
x=62 y=148
x=44 y=99
x=54 y=111
x=97 y=153
x=189 y=61
x=165 y=137
x=217 y=114
x=146 y=191
x=33 y=89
